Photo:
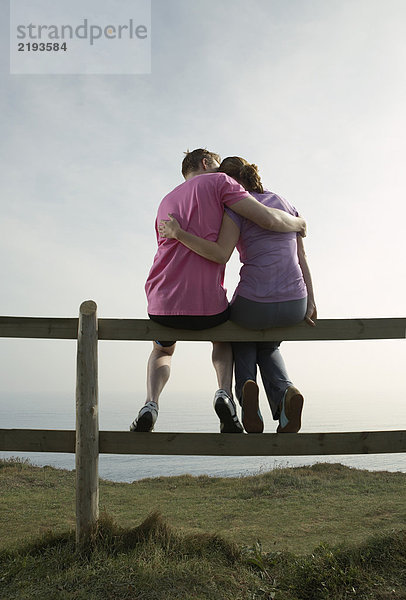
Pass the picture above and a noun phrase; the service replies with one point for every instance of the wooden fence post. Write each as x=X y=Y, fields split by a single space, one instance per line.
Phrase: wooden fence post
x=87 y=426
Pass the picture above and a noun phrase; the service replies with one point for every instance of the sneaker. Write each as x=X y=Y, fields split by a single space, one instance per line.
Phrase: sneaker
x=226 y=412
x=251 y=415
x=290 y=420
x=146 y=418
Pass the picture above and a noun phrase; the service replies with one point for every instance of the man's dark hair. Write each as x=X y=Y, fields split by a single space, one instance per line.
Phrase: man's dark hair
x=193 y=159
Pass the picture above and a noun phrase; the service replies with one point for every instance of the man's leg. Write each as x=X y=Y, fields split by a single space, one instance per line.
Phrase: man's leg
x=222 y=357
x=224 y=404
x=158 y=371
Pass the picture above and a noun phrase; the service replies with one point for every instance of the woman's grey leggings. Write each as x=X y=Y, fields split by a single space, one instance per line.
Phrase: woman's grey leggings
x=247 y=355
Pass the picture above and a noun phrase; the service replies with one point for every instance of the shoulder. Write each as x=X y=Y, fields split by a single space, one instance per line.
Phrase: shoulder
x=275 y=201
x=176 y=190
x=225 y=180
x=214 y=179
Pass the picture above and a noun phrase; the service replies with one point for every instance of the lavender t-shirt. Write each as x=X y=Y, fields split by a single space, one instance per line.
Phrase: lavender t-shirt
x=271 y=270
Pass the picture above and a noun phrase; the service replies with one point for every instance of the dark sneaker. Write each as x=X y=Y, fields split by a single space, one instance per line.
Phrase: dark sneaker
x=226 y=412
x=146 y=418
x=251 y=415
x=290 y=420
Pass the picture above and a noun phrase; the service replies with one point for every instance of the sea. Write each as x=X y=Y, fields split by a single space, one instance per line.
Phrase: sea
x=181 y=413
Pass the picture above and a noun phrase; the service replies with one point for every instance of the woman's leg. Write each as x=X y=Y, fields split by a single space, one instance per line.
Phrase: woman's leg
x=258 y=315
x=246 y=389
x=245 y=365
x=274 y=374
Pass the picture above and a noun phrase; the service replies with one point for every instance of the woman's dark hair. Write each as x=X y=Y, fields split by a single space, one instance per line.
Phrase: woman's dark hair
x=242 y=171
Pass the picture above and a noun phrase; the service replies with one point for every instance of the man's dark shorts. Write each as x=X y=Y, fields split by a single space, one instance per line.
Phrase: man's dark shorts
x=194 y=322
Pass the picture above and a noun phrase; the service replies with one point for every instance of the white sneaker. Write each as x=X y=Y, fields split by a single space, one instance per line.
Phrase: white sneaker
x=146 y=418
x=226 y=412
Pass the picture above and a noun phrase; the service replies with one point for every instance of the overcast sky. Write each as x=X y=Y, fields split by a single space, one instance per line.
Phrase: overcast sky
x=312 y=91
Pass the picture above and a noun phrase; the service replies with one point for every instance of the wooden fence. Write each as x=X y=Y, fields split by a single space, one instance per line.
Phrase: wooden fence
x=87 y=441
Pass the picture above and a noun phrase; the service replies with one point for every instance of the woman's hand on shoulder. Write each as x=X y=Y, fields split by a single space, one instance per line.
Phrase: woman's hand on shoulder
x=169 y=228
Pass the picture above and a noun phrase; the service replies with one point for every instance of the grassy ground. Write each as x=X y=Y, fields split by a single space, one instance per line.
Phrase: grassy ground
x=309 y=533
x=289 y=509
x=156 y=562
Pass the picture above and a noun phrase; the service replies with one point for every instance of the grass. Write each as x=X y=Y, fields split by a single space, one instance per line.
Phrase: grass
x=292 y=509
x=309 y=533
x=156 y=562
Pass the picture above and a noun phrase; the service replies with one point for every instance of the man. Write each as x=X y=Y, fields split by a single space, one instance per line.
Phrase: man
x=185 y=290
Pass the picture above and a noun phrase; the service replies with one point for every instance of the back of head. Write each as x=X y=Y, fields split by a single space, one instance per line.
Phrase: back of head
x=193 y=160
x=242 y=171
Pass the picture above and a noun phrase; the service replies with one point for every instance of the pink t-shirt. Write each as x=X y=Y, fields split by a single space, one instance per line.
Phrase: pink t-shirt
x=271 y=270
x=181 y=282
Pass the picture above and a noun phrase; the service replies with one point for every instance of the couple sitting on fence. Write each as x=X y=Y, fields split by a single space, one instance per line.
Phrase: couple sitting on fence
x=218 y=207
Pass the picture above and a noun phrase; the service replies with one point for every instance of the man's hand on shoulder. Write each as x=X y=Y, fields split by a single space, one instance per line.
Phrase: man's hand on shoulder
x=272 y=219
x=303 y=230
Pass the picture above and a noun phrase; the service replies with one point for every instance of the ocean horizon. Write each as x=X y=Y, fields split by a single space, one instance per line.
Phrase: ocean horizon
x=178 y=414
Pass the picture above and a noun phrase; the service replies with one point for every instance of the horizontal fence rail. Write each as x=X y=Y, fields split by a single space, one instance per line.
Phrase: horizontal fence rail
x=144 y=329
x=39 y=327
x=210 y=444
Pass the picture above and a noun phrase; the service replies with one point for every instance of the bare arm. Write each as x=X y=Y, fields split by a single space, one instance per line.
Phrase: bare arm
x=311 y=312
x=269 y=218
x=219 y=251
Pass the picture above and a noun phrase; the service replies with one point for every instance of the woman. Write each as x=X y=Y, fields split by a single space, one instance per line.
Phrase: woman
x=275 y=290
